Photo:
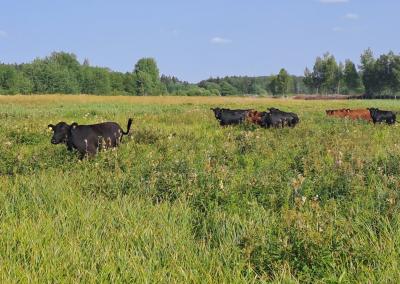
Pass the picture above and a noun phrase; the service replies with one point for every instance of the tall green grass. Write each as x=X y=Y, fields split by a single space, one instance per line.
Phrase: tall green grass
x=184 y=200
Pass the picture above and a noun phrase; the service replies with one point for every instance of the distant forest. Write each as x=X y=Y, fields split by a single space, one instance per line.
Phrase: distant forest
x=61 y=72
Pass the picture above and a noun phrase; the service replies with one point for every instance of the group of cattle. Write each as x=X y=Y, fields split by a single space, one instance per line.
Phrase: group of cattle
x=272 y=118
x=89 y=139
x=369 y=114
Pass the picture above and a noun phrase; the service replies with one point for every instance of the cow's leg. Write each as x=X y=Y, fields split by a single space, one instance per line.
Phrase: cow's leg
x=82 y=155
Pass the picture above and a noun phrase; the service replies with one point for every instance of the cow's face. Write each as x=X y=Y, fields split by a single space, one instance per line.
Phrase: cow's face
x=372 y=110
x=60 y=134
x=217 y=112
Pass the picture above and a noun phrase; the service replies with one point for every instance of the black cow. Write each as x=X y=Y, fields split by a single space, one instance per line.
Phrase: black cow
x=230 y=116
x=275 y=120
x=88 y=139
x=289 y=118
x=379 y=116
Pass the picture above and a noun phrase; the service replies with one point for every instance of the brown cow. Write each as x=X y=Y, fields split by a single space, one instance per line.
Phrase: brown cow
x=255 y=117
x=363 y=114
x=353 y=114
x=338 y=112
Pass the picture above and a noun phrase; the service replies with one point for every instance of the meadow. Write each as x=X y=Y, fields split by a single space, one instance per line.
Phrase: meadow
x=183 y=200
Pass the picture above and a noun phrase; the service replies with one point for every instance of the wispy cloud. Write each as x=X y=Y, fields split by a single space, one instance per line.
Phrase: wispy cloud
x=220 y=40
x=352 y=16
x=3 y=33
x=333 y=1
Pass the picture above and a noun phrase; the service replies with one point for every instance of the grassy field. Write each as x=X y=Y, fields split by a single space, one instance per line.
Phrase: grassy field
x=186 y=201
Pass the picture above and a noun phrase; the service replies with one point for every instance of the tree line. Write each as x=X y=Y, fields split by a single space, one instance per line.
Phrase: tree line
x=61 y=72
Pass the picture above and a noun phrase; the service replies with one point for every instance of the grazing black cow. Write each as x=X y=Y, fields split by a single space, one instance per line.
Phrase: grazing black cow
x=88 y=139
x=379 y=116
x=230 y=116
x=289 y=118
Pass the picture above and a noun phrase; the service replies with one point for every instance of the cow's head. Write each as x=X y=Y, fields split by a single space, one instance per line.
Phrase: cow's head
x=329 y=112
x=217 y=112
x=372 y=110
x=61 y=131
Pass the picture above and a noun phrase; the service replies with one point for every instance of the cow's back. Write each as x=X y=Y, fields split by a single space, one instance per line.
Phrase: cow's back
x=91 y=138
x=107 y=129
x=233 y=116
x=363 y=114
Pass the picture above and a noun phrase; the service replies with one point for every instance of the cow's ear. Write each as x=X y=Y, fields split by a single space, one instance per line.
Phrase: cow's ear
x=50 y=126
x=73 y=125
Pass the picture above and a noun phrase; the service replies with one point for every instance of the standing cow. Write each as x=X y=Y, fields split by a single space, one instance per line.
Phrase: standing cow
x=88 y=139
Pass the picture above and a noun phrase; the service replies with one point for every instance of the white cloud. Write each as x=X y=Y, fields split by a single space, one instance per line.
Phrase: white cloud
x=220 y=40
x=3 y=33
x=352 y=16
x=333 y=1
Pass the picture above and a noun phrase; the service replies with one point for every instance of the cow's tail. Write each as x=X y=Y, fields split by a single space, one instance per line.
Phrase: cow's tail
x=128 y=127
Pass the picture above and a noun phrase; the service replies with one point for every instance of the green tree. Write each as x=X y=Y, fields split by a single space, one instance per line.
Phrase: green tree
x=117 y=82
x=280 y=83
x=308 y=80
x=64 y=59
x=283 y=81
x=369 y=75
x=273 y=86
x=318 y=74
x=214 y=88
x=228 y=90
x=13 y=81
x=50 y=77
x=325 y=77
x=95 y=80
x=147 y=78
x=351 y=78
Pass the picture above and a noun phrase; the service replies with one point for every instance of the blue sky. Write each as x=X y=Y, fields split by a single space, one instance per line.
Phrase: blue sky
x=194 y=40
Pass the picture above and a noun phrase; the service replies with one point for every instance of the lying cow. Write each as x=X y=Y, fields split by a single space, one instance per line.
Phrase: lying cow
x=88 y=139
x=354 y=114
x=338 y=112
x=289 y=118
x=230 y=116
x=271 y=119
x=379 y=116
x=255 y=117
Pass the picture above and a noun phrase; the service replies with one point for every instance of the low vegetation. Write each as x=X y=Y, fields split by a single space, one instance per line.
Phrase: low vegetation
x=184 y=200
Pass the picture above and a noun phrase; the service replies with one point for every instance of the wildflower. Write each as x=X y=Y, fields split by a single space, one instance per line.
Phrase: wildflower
x=391 y=201
x=297 y=182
